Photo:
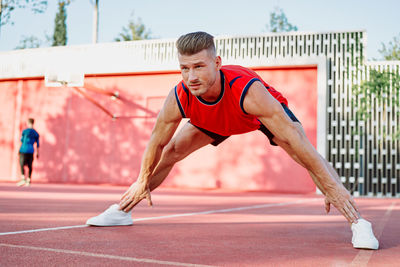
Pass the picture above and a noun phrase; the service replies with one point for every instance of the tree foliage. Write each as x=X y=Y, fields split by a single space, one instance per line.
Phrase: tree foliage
x=392 y=50
x=278 y=22
x=34 y=42
x=380 y=89
x=60 y=26
x=29 y=42
x=8 y=6
x=134 y=31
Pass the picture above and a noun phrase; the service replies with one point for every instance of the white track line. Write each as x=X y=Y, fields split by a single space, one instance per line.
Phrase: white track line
x=363 y=257
x=43 y=230
x=174 y=215
x=105 y=256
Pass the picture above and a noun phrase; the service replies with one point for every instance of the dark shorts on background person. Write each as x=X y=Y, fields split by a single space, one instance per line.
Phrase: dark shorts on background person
x=218 y=139
x=25 y=159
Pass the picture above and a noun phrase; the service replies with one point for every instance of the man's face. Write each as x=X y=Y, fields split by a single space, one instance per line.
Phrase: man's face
x=199 y=71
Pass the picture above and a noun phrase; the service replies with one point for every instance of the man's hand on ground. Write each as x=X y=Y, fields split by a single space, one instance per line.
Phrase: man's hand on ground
x=136 y=192
x=341 y=199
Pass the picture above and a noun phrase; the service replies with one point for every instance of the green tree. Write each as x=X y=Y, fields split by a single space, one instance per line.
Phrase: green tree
x=134 y=31
x=380 y=89
x=34 y=42
x=60 y=26
x=278 y=22
x=392 y=50
x=8 y=6
x=29 y=42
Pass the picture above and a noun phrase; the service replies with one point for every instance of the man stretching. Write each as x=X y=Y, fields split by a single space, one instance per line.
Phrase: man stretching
x=222 y=101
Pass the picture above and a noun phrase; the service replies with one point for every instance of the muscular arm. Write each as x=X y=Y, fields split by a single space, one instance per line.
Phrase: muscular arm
x=166 y=124
x=167 y=121
x=260 y=103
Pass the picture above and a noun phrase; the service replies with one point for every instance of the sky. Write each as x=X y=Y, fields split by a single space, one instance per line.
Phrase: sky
x=172 y=18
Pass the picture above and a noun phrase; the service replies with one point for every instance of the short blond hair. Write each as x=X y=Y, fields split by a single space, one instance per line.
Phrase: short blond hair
x=194 y=42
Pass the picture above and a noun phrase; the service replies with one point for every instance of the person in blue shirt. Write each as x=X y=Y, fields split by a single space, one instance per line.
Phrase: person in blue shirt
x=28 y=139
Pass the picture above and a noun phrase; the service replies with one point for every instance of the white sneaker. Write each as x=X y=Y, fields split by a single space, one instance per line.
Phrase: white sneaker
x=363 y=237
x=22 y=182
x=27 y=182
x=111 y=217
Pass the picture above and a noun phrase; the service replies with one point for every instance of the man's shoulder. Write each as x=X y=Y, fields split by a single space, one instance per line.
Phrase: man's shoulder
x=239 y=76
x=235 y=71
x=32 y=131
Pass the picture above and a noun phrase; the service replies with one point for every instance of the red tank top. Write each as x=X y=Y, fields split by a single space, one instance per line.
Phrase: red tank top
x=226 y=115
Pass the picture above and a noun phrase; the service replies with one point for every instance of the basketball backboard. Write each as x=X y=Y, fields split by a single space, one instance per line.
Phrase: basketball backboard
x=68 y=79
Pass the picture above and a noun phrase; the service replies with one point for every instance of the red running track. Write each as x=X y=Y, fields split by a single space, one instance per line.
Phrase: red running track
x=43 y=225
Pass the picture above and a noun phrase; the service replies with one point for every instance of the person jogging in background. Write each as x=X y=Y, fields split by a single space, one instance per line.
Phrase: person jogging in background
x=221 y=101
x=26 y=152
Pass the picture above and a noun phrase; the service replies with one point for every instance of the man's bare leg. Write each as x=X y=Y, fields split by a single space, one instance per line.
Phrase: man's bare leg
x=188 y=140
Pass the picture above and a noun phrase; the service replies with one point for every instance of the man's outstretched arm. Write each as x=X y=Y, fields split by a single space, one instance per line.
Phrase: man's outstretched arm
x=166 y=124
x=260 y=103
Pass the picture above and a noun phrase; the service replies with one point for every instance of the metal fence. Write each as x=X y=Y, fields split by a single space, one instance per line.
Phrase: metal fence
x=378 y=155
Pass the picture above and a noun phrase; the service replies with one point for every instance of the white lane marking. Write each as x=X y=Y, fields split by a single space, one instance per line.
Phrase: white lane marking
x=43 y=229
x=363 y=257
x=174 y=215
x=105 y=256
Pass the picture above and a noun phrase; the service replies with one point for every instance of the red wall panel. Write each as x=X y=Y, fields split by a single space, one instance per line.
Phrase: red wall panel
x=8 y=98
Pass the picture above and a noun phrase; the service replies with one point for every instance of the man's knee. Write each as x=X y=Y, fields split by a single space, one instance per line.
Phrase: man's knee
x=173 y=152
x=188 y=140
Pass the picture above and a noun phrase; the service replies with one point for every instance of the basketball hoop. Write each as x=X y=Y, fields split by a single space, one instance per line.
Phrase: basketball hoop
x=64 y=79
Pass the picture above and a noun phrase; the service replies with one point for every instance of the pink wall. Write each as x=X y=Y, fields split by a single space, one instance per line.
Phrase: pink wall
x=82 y=144
x=8 y=97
